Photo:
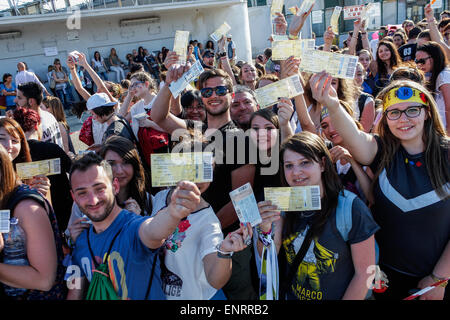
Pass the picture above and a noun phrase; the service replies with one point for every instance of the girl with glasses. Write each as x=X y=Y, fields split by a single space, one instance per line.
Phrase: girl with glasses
x=410 y=159
x=431 y=59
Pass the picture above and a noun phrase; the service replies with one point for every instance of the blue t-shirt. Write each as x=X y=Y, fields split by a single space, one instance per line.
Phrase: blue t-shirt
x=9 y=99
x=130 y=261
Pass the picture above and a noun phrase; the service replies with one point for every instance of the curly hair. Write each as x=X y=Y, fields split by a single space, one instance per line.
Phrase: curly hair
x=27 y=118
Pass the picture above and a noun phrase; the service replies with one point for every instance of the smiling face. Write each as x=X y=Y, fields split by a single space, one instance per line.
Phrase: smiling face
x=196 y=111
x=384 y=53
x=300 y=171
x=122 y=171
x=364 y=58
x=10 y=143
x=329 y=131
x=264 y=133
x=93 y=192
x=216 y=105
x=242 y=107
x=407 y=129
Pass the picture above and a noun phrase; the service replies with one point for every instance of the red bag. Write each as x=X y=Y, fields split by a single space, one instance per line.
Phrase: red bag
x=151 y=140
x=86 y=134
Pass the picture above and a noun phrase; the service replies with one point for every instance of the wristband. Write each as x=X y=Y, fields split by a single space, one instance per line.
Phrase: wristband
x=436 y=279
x=223 y=254
x=265 y=237
x=292 y=37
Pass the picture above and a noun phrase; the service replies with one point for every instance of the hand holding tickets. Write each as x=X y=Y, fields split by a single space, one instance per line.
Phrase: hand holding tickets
x=170 y=168
x=335 y=19
x=178 y=86
x=306 y=5
x=180 y=45
x=294 y=198
x=221 y=31
x=27 y=170
x=4 y=221
x=281 y=50
x=338 y=65
x=289 y=87
x=365 y=14
x=244 y=203
x=277 y=6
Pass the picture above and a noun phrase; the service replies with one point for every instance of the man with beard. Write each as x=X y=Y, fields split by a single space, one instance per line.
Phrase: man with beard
x=133 y=239
x=243 y=105
x=216 y=88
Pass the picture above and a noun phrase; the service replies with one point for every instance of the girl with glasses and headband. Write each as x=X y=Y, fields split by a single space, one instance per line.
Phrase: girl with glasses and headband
x=411 y=187
x=431 y=59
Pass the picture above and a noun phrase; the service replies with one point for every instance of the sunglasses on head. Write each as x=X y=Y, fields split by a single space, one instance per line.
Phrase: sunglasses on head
x=219 y=90
x=421 y=61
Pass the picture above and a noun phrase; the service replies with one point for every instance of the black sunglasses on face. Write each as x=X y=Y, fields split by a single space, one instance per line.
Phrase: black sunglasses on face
x=421 y=61
x=219 y=90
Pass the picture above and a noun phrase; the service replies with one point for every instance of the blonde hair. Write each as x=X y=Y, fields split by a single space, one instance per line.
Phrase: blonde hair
x=56 y=108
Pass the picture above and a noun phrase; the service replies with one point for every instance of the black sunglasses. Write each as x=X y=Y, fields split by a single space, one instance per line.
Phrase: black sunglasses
x=422 y=61
x=219 y=90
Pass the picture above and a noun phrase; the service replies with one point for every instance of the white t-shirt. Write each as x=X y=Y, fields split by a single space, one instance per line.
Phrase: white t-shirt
x=138 y=107
x=98 y=129
x=374 y=46
x=27 y=76
x=443 y=78
x=97 y=63
x=185 y=277
x=50 y=128
x=356 y=114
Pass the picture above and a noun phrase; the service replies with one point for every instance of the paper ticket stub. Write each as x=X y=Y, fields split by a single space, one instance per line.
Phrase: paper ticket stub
x=277 y=6
x=245 y=205
x=294 y=198
x=338 y=65
x=27 y=170
x=335 y=19
x=221 y=31
x=286 y=88
x=178 y=86
x=281 y=50
x=170 y=168
x=365 y=14
x=180 y=45
x=306 y=5
x=4 y=221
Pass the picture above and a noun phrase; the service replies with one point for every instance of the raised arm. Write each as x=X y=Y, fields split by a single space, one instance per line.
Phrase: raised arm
x=185 y=198
x=328 y=38
x=357 y=26
x=76 y=80
x=225 y=62
x=434 y=31
x=297 y=22
x=361 y=145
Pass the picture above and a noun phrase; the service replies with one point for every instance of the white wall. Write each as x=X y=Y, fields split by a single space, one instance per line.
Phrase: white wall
x=102 y=33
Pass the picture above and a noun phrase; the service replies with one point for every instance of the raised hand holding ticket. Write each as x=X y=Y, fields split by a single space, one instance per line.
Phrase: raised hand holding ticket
x=180 y=45
x=178 y=86
x=169 y=168
x=294 y=198
x=245 y=205
x=221 y=31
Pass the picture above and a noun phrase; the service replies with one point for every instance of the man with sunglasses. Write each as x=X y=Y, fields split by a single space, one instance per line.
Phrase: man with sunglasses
x=208 y=60
x=216 y=88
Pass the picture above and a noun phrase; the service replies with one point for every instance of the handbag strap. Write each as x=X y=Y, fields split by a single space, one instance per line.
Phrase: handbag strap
x=296 y=263
x=109 y=250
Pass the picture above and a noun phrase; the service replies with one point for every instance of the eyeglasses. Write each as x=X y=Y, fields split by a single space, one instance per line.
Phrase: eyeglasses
x=219 y=90
x=411 y=112
x=422 y=61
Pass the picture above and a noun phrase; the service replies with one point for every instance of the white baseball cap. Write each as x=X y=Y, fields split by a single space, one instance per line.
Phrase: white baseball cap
x=99 y=100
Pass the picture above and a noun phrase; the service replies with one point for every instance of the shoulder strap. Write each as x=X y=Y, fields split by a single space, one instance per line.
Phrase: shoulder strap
x=151 y=275
x=344 y=213
x=109 y=250
x=296 y=263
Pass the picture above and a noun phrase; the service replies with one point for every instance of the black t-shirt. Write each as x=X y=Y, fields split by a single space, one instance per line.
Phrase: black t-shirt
x=415 y=223
x=327 y=268
x=229 y=158
x=408 y=51
x=60 y=187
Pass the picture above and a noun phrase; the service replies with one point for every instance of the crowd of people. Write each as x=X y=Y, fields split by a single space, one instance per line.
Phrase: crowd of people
x=377 y=146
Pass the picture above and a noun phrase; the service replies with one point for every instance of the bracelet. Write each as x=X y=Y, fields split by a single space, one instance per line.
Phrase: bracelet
x=265 y=238
x=436 y=279
x=223 y=254
x=292 y=37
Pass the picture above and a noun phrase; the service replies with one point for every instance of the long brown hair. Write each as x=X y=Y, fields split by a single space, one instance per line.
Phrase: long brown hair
x=139 y=184
x=56 y=108
x=8 y=177
x=312 y=147
x=434 y=137
x=13 y=129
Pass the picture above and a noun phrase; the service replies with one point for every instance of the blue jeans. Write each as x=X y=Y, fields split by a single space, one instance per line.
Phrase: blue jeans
x=63 y=98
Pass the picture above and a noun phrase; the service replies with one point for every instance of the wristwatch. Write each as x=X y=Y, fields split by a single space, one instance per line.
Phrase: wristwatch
x=223 y=254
